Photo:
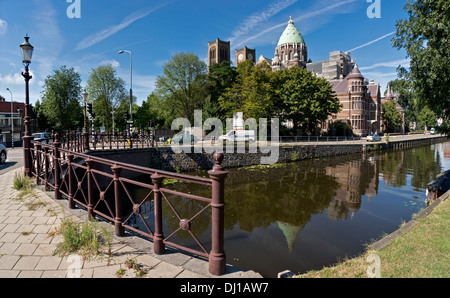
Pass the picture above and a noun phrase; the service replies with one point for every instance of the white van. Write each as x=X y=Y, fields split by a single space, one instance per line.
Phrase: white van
x=239 y=136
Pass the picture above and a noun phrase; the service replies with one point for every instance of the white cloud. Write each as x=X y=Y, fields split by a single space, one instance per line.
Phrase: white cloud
x=3 y=26
x=304 y=16
x=113 y=62
x=255 y=19
x=130 y=19
x=12 y=79
x=395 y=64
x=371 y=42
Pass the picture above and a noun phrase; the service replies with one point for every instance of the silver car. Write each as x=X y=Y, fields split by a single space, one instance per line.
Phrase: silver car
x=373 y=138
x=3 y=153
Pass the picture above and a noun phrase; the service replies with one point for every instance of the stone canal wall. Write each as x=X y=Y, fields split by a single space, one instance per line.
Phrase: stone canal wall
x=164 y=158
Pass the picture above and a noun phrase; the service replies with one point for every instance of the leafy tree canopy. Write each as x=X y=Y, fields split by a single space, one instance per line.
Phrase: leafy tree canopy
x=61 y=97
x=425 y=35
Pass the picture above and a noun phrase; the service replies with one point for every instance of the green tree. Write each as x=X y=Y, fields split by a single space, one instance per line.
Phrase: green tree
x=425 y=36
x=41 y=119
x=107 y=92
x=254 y=92
x=407 y=98
x=181 y=88
x=391 y=116
x=144 y=114
x=427 y=118
x=306 y=99
x=61 y=97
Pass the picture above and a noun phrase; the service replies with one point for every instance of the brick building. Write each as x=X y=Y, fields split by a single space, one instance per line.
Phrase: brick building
x=361 y=102
x=361 y=99
x=5 y=122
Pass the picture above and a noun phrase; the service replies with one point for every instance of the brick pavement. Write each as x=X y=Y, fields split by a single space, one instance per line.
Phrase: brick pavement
x=28 y=241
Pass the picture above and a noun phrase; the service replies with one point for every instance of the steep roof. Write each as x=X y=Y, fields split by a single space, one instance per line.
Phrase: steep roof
x=290 y=35
x=355 y=73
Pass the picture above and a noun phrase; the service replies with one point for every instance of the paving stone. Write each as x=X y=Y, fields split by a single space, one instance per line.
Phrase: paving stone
x=48 y=263
x=45 y=249
x=165 y=270
x=27 y=263
x=30 y=274
x=8 y=248
x=9 y=237
x=25 y=249
x=9 y=273
x=53 y=274
x=8 y=261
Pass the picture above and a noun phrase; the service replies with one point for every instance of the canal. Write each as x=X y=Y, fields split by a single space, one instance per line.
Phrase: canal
x=309 y=214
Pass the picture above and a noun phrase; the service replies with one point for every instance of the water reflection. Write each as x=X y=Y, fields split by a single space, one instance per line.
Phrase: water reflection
x=306 y=215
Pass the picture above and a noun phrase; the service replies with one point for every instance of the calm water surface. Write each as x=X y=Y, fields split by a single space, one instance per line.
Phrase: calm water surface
x=309 y=214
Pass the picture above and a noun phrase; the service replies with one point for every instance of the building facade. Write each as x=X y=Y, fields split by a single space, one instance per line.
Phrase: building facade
x=218 y=51
x=291 y=49
x=361 y=99
x=361 y=104
x=11 y=120
x=245 y=54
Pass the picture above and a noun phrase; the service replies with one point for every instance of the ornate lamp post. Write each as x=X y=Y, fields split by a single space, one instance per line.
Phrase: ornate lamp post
x=131 y=94
x=85 y=133
x=27 y=52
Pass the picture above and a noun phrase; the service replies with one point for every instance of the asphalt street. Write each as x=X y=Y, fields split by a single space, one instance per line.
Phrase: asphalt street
x=14 y=160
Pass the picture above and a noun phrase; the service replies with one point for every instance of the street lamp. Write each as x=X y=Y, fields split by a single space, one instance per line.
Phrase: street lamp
x=131 y=92
x=27 y=52
x=85 y=134
x=12 y=121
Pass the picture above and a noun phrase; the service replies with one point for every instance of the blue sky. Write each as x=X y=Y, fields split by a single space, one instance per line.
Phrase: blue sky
x=155 y=30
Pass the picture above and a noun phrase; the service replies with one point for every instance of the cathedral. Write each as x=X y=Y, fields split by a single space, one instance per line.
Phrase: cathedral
x=361 y=99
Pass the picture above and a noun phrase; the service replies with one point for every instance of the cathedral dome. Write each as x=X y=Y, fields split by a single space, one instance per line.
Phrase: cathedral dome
x=291 y=35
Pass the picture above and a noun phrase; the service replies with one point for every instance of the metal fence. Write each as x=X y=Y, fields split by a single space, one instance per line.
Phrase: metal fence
x=103 y=188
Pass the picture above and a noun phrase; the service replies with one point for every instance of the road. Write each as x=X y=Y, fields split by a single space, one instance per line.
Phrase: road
x=14 y=160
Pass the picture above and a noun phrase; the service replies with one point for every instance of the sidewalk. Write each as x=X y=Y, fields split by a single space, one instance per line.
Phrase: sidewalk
x=27 y=244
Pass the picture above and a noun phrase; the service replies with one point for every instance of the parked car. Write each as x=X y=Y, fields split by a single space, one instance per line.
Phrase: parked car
x=432 y=131
x=3 y=153
x=45 y=137
x=373 y=138
x=183 y=138
x=239 y=136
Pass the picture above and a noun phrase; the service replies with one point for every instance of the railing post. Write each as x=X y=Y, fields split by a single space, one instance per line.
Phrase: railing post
x=118 y=220
x=90 y=183
x=71 y=181
x=46 y=167
x=56 y=164
x=38 y=163
x=217 y=258
x=158 y=244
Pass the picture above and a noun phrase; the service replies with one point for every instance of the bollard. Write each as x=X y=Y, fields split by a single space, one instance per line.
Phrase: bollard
x=71 y=181
x=118 y=220
x=57 y=167
x=90 y=182
x=158 y=244
x=217 y=257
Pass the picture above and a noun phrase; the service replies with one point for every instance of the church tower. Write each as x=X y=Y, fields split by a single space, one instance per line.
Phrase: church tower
x=291 y=48
x=245 y=54
x=218 y=51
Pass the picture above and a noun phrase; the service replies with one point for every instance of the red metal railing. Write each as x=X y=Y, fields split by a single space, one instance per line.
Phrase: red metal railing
x=102 y=187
